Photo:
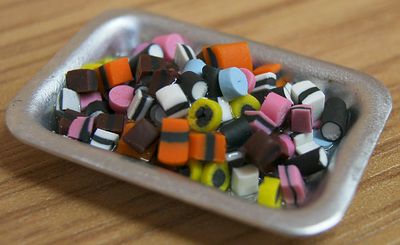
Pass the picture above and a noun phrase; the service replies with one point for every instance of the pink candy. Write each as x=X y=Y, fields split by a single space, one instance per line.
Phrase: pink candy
x=292 y=184
x=251 y=79
x=168 y=44
x=78 y=131
x=120 y=97
x=87 y=98
x=276 y=107
x=287 y=145
x=301 y=119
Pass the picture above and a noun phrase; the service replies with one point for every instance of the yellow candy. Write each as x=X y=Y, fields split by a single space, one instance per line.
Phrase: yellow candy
x=196 y=169
x=105 y=60
x=269 y=194
x=216 y=175
x=91 y=66
x=247 y=102
x=205 y=115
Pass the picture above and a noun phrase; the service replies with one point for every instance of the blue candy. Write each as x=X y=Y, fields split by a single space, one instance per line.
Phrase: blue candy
x=321 y=141
x=233 y=83
x=194 y=65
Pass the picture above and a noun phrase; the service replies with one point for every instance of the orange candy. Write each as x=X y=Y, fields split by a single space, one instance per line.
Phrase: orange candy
x=274 y=68
x=174 y=142
x=114 y=73
x=207 y=147
x=228 y=55
x=124 y=149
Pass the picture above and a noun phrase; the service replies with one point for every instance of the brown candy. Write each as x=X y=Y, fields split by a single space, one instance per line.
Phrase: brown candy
x=160 y=79
x=110 y=122
x=141 y=136
x=148 y=64
x=82 y=80
x=262 y=150
x=64 y=120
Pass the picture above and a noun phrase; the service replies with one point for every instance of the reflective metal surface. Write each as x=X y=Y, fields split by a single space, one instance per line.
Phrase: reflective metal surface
x=30 y=118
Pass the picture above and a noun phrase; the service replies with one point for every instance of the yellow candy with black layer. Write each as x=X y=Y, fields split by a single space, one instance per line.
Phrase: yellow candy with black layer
x=97 y=64
x=205 y=115
x=196 y=169
x=269 y=193
x=243 y=103
x=216 y=175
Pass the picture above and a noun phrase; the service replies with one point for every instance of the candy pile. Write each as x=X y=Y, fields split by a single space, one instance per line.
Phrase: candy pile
x=211 y=117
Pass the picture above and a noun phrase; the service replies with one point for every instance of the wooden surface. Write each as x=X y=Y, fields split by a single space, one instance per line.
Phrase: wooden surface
x=44 y=199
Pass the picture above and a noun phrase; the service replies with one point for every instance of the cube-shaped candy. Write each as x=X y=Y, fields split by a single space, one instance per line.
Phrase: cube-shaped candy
x=228 y=55
x=245 y=180
x=147 y=65
x=269 y=193
x=275 y=107
x=81 y=129
x=87 y=98
x=125 y=149
x=307 y=93
x=262 y=150
x=68 y=99
x=236 y=132
x=173 y=100
x=139 y=105
x=110 y=122
x=82 y=80
x=265 y=81
x=287 y=145
x=174 y=142
x=292 y=185
x=114 y=73
x=160 y=79
x=304 y=143
x=301 y=119
x=207 y=147
x=104 y=139
x=141 y=136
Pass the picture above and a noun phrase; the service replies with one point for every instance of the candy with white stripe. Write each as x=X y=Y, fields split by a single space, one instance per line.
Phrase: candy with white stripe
x=183 y=54
x=173 y=100
x=310 y=162
x=265 y=81
x=68 y=99
x=193 y=85
x=307 y=93
x=304 y=143
x=139 y=106
x=226 y=109
x=104 y=139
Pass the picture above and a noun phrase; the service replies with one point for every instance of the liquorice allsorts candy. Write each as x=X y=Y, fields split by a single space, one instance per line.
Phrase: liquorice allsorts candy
x=183 y=54
x=216 y=175
x=306 y=92
x=209 y=147
x=236 y=132
x=292 y=185
x=244 y=180
x=114 y=73
x=304 y=143
x=301 y=120
x=82 y=80
x=141 y=136
x=205 y=115
x=68 y=99
x=120 y=97
x=310 y=162
x=104 y=139
x=233 y=83
x=334 y=119
x=276 y=107
x=168 y=43
x=139 y=106
x=193 y=85
x=265 y=81
x=173 y=100
x=226 y=109
x=81 y=129
x=259 y=121
x=269 y=193
x=244 y=103
x=110 y=122
x=173 y=148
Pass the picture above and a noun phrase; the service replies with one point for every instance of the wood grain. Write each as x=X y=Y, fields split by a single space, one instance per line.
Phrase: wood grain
x=44 y=199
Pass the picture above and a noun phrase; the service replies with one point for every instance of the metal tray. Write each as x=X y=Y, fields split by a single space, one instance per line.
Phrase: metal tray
x=30 y=118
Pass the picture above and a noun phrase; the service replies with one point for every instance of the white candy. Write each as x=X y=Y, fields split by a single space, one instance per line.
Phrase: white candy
x=155 y=50
x=316 y=99
x=183 y=54
x=261 y=84
x=104 y=139
x=139 y=106
x=68 y=99
x=226 y=109
x=173 y=100
x=304 y=143
x=245 y=180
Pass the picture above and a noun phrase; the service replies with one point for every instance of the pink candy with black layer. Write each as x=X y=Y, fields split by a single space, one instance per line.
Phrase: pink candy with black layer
x=81 y=128
x=259 y=121
x=140 y=48
x=275 y=107
x=292 y=185
x=87 y=98
x=168 y=44
x=287 y=145
x=301 y=118
x=251 y=79
x=120 y=98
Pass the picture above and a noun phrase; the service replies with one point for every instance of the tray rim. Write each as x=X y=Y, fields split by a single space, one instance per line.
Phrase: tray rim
x=275 y=220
